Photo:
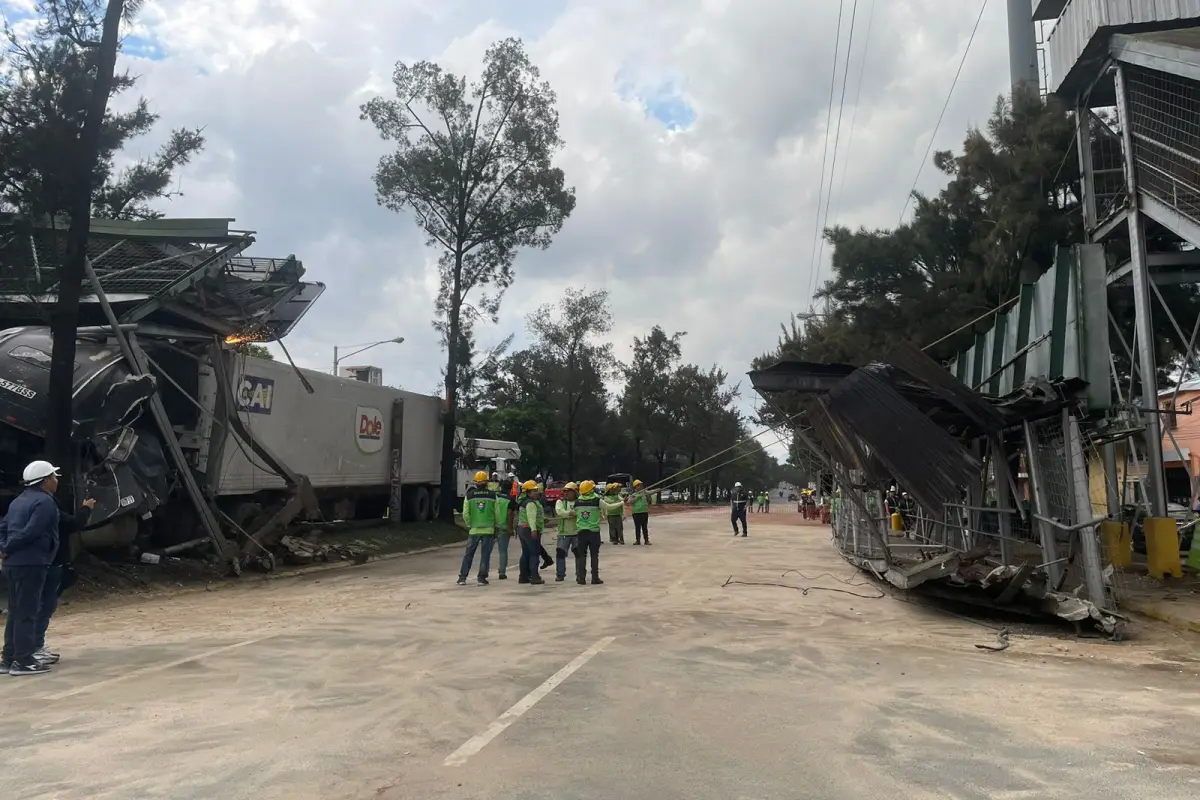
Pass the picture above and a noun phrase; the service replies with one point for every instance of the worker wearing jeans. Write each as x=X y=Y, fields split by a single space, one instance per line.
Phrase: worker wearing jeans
x=613 y=508
x=640 y=506
x=564 y=514
x=479 y=517
x=504 y=530
x=531 y=520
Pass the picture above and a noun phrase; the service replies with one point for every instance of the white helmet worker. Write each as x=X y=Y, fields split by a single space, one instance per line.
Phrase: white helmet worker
x=737 y=484
x=38 y=471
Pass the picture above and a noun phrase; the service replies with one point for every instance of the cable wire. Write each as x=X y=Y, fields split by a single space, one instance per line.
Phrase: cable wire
x=942 y=116
x=825 y=148
x=837 y=138
x=862 y=71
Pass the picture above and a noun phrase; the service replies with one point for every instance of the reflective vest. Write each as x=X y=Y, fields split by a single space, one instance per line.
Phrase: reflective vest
x=479 y=511
x=641 y=502
x=564 y=511
x=587 y=513
x=503 y=505
x=532 y=515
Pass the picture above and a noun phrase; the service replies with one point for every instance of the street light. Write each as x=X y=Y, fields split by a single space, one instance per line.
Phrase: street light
x=362 y=347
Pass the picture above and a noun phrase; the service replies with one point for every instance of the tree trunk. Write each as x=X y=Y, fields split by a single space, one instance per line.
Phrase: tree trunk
x=449 y=421
x=65 y=317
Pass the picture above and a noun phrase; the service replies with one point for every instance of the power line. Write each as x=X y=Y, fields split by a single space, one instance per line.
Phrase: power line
x=862 y=71
x=825 y=149
x=937 y=127
x=836 y=141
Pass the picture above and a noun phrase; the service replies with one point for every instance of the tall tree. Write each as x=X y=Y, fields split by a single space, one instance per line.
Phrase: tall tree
x=474 y=164
x=57 y=144
x=647 y=401
x=575 y=363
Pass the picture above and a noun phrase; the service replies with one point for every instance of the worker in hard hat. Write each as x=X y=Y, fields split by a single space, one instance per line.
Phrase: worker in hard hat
x=564 y=513
x=587 y=533
x=639 y=505
x=519 y=494
x=613 y=508
x=479 y=518
x=531 y=521
x=505 y=513
x=738 y=499
x=28 y=545
x=494 y=483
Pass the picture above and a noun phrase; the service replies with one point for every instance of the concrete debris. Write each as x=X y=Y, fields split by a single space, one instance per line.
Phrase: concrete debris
x=299 y=551
x=1001 y=642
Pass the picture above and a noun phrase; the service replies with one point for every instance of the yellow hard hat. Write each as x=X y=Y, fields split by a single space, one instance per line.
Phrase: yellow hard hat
x=529 y=486
x=572 y=486
x=481 y=477
x=637 y=483
x=587 y=487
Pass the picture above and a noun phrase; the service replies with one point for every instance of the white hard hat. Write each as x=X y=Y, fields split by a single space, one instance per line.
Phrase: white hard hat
x=37 y=472
x=737 y=484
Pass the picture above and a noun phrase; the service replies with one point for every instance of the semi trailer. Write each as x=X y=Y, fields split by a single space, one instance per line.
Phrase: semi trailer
x=253 y=444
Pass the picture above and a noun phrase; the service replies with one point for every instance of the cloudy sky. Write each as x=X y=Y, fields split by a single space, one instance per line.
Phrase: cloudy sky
x=694 y=130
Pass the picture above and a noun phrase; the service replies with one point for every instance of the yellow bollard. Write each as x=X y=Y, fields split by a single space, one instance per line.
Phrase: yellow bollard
x=897 y=521
x=1162 y=547
x=1118 y=542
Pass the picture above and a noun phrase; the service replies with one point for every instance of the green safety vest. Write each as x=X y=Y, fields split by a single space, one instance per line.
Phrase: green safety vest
x=566 y=520
x=641 y=502
x=503 y=503
x=532 y=519
x=587 y=513
x=616 y=505
x=479 y=510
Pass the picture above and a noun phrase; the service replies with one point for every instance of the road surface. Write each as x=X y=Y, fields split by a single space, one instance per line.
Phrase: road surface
x=388 y=681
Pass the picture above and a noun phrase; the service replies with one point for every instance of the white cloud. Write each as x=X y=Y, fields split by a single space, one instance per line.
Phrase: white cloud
x=707 y=229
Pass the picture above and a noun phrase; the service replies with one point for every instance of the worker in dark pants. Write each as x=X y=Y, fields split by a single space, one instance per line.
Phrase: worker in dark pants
x=613 y=508
x=531 y=520
x=523 y=576
x=639 y=506
x=28 y=542
x=738 y=499
x=59 y=575
x=479 y=518
x=587 y=533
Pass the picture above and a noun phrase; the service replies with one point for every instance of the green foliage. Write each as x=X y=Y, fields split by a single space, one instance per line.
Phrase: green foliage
x=255 y=350
x=44 y=98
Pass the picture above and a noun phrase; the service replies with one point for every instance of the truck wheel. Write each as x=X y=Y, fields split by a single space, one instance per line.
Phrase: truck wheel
x=419 y=504
x=435 y=503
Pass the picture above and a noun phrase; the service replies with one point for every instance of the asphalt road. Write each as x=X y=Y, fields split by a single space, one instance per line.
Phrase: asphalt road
x=388 y=681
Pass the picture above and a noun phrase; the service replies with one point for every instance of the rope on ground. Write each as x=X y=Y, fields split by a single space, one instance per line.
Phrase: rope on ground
x=804 y=590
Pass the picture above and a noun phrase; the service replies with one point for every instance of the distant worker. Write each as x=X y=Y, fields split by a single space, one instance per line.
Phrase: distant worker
x=738 y=499
x=494 y=483
x=640 y=506
x=541 y=484
x=28 y=544
x=767 y=502
x=587 y=533
x=531 y=522
x=505 y=513
x=762 y=502
x=613 y=508
x=564 y=512
x=479 y=518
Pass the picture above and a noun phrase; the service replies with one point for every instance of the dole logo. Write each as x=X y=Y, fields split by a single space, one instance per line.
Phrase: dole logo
x=370 y=427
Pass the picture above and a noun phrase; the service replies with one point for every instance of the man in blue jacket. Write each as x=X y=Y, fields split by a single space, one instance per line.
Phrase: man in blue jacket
x=28 y=544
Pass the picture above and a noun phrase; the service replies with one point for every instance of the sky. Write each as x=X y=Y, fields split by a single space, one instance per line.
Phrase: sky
x=694 y=129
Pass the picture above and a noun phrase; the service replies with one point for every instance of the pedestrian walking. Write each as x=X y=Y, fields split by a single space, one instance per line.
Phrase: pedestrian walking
x=564 y=513
x=738 y=498
x=28 y=545
x=587 y=533
x=613 y=508
x=479 y=517
x=640 y=506
x=531 y=521
x=59 y=575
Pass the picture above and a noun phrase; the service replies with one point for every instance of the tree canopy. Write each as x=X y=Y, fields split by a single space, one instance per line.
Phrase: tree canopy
x=473 y=163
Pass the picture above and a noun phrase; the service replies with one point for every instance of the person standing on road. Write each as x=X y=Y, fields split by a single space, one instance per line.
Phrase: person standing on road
x=504 y=531
x=564 y=513
x=613 y=508
x=531 y=521
x=738 y=499
x=767 y=502
x=28 y=545
x=587 y=533
x=479 y=517
x=59 y=575
x=640 y=506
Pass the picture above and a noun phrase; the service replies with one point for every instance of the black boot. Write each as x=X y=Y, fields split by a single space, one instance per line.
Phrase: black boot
x=580 y=579
x=596 y=580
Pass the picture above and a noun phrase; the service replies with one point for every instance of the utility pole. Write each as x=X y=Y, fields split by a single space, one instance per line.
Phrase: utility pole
x=1022 y=45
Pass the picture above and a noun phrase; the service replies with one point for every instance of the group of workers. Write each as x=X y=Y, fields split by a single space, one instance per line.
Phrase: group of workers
x=35 y=558
x=492 y=514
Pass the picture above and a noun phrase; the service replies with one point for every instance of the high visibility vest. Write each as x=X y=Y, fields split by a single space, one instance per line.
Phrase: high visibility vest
x=479 y=510
x=564 y=510
x=587 y=513
x=531 y=515
x=641 y=502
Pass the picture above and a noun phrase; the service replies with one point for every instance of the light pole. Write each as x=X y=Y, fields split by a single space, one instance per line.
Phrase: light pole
x=361 y=348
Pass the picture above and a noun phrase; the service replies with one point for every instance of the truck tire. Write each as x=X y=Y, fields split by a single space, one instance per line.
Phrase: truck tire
x=435 y=503
x=419 y=504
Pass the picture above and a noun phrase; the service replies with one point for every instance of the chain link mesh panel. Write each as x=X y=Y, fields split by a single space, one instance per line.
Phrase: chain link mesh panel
x=1164 y=119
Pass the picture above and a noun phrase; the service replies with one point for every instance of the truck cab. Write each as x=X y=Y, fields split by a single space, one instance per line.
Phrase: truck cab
x=486 y=455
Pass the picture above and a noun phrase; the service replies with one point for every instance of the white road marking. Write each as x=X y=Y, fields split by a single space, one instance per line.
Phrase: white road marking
x=480 y=741
x=137 y=673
